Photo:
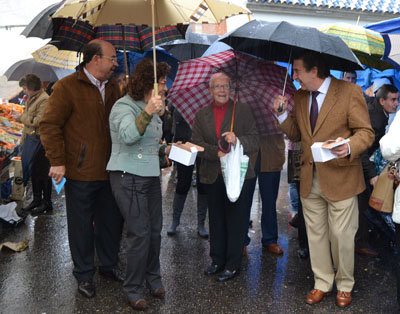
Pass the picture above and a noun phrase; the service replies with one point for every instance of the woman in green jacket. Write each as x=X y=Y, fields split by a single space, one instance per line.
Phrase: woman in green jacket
x=136 y=130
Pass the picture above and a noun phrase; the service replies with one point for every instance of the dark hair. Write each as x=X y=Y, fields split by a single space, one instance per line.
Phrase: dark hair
x=141 y=80
x=384 y=91
x=313 y=59
x=31 y=82
x=90 y=50
x=349 y=72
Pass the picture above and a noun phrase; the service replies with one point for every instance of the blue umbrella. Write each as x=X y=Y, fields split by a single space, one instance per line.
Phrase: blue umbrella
x=135 y=57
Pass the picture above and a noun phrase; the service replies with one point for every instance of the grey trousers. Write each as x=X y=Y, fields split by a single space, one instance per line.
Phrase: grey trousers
x=139 y=200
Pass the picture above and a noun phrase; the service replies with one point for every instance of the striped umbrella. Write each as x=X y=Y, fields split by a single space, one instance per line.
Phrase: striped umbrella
x=367 y=44
x=51 y=55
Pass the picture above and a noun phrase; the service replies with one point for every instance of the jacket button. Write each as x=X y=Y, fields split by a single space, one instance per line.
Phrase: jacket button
x=140 y=156
x=140 y=149
x=310 y=162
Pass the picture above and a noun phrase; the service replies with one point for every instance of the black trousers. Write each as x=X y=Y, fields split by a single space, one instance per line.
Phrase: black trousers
x=41 y=182
x=302 y=232
x=93 y=220
x=397 y=262
x=228 y=224
x=139 y=200
x=185 y=178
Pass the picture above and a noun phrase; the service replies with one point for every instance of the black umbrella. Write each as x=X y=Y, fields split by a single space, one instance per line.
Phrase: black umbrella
x=277 y=41
x=41 y=26
x=193 y=46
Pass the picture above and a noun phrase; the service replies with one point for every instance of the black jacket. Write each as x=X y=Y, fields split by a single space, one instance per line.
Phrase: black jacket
x=379 y=121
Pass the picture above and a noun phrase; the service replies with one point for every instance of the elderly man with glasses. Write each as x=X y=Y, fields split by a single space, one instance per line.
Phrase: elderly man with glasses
x=76 y=136
x=211 y=130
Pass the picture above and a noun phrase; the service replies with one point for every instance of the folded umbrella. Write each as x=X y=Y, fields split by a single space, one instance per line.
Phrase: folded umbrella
x=257 y=83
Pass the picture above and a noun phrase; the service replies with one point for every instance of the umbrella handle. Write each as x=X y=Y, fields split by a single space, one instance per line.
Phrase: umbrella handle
x=280 y=108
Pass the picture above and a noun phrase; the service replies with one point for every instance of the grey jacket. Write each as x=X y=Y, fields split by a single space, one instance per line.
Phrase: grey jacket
x=132 y=152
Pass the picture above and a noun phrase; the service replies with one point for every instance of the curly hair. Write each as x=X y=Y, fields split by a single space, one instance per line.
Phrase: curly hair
x=141 y=80
x=31 y=82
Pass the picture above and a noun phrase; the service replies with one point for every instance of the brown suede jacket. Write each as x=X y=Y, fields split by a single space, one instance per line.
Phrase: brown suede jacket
x=74 y=128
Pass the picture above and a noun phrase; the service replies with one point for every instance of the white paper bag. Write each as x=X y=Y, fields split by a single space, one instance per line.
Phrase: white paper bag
x=396 y=206
x=234 y=167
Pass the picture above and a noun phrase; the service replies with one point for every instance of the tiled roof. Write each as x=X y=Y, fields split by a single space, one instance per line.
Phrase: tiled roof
x=385 y=6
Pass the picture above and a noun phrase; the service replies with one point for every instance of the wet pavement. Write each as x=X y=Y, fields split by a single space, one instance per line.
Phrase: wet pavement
x=40 y=280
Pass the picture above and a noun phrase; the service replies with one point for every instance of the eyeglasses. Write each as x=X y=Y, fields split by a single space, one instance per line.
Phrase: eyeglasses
x=112 y=59
x=221 y=86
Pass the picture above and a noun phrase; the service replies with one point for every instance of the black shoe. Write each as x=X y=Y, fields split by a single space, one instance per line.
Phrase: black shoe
x=44 y=207
x=32 y=205
x=303 y=253
x=295 y=221
x=87 y=288
x=114 y=274
x=227 y=275
x=213 y=269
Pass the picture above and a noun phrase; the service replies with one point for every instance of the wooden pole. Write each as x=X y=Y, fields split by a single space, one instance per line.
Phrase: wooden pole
x=154 y=48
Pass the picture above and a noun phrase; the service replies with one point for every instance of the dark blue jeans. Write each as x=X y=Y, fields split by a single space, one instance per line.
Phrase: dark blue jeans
x=268 y=183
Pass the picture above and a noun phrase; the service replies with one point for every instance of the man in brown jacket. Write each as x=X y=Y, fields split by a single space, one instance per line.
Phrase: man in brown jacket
x=75 y=133
x=328 y=109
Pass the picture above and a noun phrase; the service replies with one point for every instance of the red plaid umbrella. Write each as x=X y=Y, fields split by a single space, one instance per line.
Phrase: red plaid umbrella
x=258 y=83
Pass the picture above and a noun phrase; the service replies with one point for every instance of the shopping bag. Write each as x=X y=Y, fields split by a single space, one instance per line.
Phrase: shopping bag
x=396 y=206
x=382 y=195
x=234 y=167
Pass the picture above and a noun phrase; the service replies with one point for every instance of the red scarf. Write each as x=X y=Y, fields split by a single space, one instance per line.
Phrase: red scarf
x=219 y=114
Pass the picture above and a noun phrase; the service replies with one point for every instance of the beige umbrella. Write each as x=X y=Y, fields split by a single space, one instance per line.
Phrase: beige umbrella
x=157 y=13
x=51 y=55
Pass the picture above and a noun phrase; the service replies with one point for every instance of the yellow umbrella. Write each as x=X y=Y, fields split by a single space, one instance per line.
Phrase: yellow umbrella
x=50 y=55
x=157 y=13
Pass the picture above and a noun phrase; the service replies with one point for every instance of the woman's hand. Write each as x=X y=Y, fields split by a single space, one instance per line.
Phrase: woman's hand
x=230 y=137
x=155 y=105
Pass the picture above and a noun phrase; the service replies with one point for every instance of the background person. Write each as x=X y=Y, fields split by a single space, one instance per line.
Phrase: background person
x=134 y=166
x=76 y=136
x=35 y=163
x=227 y=220
x=327 y=108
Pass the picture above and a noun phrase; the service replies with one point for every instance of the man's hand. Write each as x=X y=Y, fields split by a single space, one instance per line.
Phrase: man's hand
x=373 y=180
x=57 y=173
x=229 y=137
x=221 y=154
x=277 y=102
x=342 y=150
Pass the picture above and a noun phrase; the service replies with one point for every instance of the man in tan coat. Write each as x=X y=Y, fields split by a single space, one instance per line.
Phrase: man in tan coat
x=328 y=109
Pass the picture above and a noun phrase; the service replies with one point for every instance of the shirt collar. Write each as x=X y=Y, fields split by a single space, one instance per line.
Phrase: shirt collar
x=323 y=89
x=94 y=80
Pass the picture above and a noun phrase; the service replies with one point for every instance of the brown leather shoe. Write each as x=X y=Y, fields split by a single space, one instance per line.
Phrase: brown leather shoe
x=343 y=299
x=367 y=251
x=139 y=305
x=315 y=296
x=274 y=248
x=158 y=293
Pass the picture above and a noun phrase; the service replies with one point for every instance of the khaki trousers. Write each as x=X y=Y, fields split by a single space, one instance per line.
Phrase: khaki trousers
x=331 y=228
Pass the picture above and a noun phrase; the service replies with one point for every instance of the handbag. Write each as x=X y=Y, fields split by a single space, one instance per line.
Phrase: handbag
x=382 y=196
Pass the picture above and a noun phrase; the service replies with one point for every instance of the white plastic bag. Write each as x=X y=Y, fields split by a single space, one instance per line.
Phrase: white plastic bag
x=234 y=167
x=396 y=206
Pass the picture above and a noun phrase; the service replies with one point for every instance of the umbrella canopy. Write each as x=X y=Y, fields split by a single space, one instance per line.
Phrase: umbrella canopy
x=277 y=40
x=258 y=83
x=51 y=55
x=367 y=44
x=70 y=34
x=125 y=12
x=392 y=49
x=41 y=25
x=45 y=72
x=193 y=46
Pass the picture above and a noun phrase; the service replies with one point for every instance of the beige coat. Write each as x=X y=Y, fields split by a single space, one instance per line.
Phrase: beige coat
x=33 y=113
x=343 y=114
x=272 y=150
